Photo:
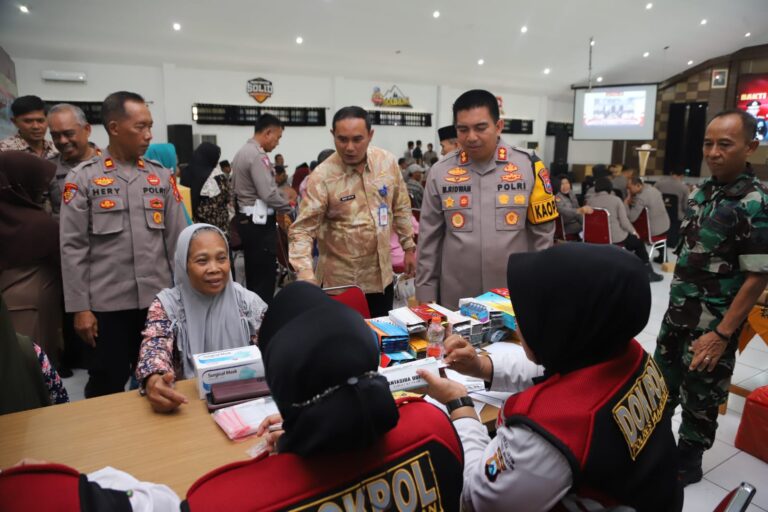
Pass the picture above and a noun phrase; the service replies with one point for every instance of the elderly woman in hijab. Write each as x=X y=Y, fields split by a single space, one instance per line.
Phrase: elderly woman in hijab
x=341 y=423
x=205 y=311
x=588 y=422
x=30 y=272
x=209 y=187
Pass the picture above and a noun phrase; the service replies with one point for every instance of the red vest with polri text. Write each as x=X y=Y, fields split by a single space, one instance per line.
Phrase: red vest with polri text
x=418 y=465
x=609 y=422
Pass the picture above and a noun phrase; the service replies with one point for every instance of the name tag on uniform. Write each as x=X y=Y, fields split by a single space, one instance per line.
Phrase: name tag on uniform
x=383 y=215
x=347 y=198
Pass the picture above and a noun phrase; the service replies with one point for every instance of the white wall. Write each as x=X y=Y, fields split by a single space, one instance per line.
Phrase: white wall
x=392 y=138
x=103 y=79
x=299 y=144
x=171 y=91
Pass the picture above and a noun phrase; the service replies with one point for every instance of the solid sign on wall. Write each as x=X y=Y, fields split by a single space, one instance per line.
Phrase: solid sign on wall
x=394 y=97
x=259 y=89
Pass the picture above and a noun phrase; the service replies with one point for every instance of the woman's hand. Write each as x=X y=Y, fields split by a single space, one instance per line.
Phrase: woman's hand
x=441 y=389
x=462 y=357
x=271 y=428
x=161 y=394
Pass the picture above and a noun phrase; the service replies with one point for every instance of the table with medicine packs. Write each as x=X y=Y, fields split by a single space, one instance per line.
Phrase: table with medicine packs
x=122 y=431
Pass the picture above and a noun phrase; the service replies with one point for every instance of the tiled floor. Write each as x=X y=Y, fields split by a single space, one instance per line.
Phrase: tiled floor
x=724 y=465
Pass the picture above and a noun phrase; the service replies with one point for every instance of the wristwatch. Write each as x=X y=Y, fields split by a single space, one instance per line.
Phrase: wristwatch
x=464 y=401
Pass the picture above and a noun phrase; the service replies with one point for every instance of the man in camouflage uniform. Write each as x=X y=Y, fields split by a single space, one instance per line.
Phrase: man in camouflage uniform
x=721 y=270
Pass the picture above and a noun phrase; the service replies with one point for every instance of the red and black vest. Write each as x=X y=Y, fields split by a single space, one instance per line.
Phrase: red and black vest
x=417 y=465
x=609 y=422
x=56 y=488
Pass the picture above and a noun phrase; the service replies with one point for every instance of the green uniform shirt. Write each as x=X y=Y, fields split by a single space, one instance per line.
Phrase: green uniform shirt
x=724 y=235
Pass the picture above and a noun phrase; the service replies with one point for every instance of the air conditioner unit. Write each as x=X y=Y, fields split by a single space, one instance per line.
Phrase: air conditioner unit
x=198 y=138
x=63 y=76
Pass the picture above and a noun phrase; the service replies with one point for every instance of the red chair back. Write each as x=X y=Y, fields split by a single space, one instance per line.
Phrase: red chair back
x=352 y=296
x=597 y=229
x=643 y=227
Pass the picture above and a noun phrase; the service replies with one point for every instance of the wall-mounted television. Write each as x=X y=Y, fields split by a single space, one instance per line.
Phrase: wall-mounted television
x=625 y=112
x=752 y=97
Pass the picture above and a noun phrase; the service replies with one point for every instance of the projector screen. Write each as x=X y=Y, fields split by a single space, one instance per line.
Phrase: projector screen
x=615 y=113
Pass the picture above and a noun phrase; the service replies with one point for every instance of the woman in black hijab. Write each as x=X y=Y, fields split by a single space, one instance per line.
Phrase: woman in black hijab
x=588 y=419
x=321 y=361
x=209 y=187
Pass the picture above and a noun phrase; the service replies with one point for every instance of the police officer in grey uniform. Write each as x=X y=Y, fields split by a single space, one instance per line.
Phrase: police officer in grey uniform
x=120 y=217
x=257 y=201
x=641 y=196
x=70 y=132
x=481 y=204
x=673 y=185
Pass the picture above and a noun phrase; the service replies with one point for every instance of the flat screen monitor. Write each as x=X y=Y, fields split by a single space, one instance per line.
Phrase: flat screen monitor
x=753 y=98
x=624 y=112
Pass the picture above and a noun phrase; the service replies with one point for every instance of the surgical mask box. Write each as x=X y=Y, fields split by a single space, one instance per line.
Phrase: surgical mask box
x=227 y=365
x=403 y=377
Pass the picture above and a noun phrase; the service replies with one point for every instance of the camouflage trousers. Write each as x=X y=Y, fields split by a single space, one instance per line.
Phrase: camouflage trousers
x=700 y=393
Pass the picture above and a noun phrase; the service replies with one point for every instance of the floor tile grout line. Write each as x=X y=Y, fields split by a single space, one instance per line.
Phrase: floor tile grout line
x=723 y=462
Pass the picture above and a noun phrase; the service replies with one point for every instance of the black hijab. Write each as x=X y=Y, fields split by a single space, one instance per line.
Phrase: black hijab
x=314 y=346
x=204 y=160
x=611 y=303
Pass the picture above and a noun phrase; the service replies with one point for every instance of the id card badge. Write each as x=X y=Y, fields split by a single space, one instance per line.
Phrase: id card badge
x=383 y=216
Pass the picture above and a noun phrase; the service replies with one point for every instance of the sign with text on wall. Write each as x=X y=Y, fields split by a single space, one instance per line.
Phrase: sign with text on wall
x=393 y=97
x=259 y=89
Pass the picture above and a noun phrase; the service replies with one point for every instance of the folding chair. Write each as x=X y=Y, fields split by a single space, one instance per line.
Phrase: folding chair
x=560 y=233
x=643 y=227
x=351 y=295
x=597 y=228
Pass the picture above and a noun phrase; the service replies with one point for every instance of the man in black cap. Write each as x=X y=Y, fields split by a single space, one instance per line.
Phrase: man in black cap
x=448 y=139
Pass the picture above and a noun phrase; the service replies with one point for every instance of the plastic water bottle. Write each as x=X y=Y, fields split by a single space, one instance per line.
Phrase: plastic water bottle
x=435 y=335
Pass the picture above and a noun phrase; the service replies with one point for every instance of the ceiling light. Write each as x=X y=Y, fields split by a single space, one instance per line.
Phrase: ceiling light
x=24 y=9
x=523 y=29
x=748 y=34
x=177 y=26
x=436 y=14
x=599 y=79
x=646 y=54
x=648 y=6
x=299 y=40
x=690 y=62
x=704 y=21
x=547 y=71
x=480 y=62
